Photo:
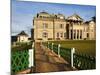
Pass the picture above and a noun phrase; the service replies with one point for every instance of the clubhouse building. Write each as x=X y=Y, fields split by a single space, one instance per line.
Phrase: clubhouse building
x=58 y=27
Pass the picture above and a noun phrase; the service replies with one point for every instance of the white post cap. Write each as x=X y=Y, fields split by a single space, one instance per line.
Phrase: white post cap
x=73 y=50
x=59 y=45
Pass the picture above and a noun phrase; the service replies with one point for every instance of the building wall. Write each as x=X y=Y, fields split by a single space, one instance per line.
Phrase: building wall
x=60 y=29
x=40 y=29
x=22 y=39
x=90 y=31
x=86 y=31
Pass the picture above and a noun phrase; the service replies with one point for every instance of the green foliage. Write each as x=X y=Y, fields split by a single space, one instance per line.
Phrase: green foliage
x=22 y=47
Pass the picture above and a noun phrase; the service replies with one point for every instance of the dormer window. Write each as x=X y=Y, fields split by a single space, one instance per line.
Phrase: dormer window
x=61 y=17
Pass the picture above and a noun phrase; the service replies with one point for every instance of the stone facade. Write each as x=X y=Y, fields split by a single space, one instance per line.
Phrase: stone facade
x=57 y=27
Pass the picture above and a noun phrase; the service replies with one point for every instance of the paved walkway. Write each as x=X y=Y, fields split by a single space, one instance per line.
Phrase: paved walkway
x=48 y=61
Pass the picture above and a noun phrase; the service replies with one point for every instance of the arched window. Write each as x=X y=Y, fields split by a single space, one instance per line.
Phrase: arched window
x=45 y=34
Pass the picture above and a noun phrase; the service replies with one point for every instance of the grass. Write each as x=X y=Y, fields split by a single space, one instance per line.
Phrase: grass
x=87 y=47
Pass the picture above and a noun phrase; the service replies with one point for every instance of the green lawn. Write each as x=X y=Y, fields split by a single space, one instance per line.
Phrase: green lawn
x=82 y=46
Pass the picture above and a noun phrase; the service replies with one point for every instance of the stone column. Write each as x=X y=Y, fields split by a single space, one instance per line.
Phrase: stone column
x=76 y=34
x=69 y=34
x=73 y=31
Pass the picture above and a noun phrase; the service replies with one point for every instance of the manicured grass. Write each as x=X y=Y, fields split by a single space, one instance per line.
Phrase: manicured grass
x=87 y=47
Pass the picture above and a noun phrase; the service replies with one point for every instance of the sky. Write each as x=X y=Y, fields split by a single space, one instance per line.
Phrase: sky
x=23 y=12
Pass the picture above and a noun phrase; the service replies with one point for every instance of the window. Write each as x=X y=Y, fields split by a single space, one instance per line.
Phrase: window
x=87 y=34
x=61 y=34
x=57 y=35
x=45 y=25
x=61 y=25
x=45 y=34
x=61 y=17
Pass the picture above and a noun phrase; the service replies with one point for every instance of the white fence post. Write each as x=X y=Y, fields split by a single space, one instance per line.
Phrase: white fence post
x=31 y=61
x=52 y=46
x=72 y=59
x=59 y=50
x=31 y=56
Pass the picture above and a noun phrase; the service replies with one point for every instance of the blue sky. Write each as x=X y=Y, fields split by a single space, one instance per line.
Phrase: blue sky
x=23 y=13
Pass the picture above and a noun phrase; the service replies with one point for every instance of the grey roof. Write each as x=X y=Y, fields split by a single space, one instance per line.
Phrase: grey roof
x=22 y=33
x=43 y=12
x=87 y=22
x=60 y=14
x=75 y=17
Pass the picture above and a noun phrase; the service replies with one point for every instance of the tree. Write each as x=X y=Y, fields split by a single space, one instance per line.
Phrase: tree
x=94 y=18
